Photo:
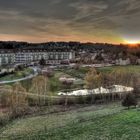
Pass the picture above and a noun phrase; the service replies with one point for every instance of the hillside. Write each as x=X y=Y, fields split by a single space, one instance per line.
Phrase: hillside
x=93 y=123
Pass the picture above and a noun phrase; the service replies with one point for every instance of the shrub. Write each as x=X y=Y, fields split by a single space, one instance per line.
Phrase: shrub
x=19 y=111
x=4 y=119
x=4 y=99
x=129 y=100
x=19 y=74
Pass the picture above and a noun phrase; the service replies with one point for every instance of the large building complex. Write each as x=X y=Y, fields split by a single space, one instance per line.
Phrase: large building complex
x=27 y=56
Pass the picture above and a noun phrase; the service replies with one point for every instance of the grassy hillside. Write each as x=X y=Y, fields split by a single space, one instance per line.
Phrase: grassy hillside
x=101 y=122
x=97 y=122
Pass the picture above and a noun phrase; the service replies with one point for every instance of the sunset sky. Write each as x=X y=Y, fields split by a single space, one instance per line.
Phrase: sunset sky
x=111 y=21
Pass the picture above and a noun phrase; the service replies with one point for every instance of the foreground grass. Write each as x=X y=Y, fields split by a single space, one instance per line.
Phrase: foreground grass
x=95 y=123
x=108 y=122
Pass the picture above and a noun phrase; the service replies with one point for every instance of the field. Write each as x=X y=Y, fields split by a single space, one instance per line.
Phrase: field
x=54 y=84
x=80 y=73
x=131 y=68
x=100 y=122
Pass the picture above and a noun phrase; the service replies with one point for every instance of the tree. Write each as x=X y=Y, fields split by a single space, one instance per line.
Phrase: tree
x=5 y=95
x=39 y=86
x=129 y=100
x=92 y=80
x=19 y=68
x=77 y=67
x=42 y=62
x=122 y=76
x=17 y=100
x=67 y=85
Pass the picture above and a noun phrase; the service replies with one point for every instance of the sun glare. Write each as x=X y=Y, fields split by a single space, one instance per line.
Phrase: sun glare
x=132 y=42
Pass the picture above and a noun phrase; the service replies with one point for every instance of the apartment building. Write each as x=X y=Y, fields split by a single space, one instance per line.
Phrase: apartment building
x=27 y=56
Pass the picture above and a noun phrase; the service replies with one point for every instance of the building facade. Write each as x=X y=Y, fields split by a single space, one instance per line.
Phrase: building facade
x=27 y=56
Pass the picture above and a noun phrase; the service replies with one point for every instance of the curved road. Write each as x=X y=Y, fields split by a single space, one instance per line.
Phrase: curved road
x=22 y=79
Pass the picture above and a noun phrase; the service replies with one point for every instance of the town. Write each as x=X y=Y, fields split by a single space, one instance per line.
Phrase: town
x=73 y=52
x=65 y=78
x=69 y=70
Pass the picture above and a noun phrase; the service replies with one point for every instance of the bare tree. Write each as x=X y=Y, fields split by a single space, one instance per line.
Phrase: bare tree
x=18 y=99
x=39 y=87
x=67 y=85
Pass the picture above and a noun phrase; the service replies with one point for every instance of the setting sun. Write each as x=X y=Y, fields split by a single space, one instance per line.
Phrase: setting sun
x=132 y=42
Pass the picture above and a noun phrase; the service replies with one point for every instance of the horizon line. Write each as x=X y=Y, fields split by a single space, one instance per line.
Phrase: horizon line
x=43 y=42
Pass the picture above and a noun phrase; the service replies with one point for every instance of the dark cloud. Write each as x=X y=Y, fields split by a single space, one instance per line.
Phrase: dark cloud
x=61 y=18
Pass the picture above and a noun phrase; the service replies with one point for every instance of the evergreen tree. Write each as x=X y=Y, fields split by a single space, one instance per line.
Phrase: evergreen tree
x=42 y=62
x=129 y=100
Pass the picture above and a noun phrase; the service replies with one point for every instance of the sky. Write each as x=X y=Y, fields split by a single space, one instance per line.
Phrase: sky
x=104 y=21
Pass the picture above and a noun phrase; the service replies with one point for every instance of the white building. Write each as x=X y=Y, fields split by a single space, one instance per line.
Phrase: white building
x=138 y=61
x=123 y=62
x=26 y=56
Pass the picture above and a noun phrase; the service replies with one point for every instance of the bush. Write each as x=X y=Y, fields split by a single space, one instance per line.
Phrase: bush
x=4 y=102
x=19 y=74
x=4 y=74
x=4 y=119
x=19 y=111
x=129 y=100
x=19 y=68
